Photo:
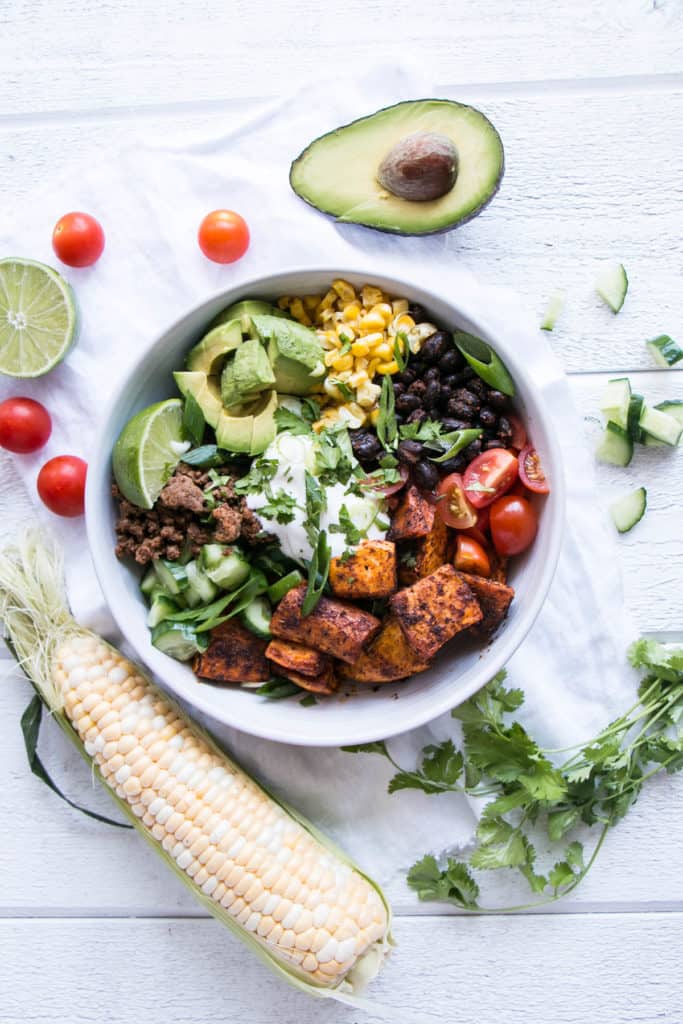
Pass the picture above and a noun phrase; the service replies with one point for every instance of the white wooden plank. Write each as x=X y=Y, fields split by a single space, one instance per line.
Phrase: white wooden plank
x=125 y=53
x=575 y=194
x=614 y=969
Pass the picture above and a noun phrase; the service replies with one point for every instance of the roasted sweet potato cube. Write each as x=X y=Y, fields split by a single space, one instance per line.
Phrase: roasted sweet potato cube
x=234 y=655
x=333 y=627
x=413 y=518
x=388 y=657
x=325 y=682
x=499 y=566
x=434 y=609
x=296 y=657
x=494 y=599
x=370 y=571
x=431 y=550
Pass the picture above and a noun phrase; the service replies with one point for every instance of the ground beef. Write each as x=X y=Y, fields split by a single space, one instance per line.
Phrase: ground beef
x=182 y=517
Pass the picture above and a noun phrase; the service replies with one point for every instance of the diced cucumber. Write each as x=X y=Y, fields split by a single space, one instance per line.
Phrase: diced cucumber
x=200 y=589
x=256 y=616
x=211 y=555
x=277 y=590
x=555 y=307
x=674 y=407
x=664 y=350
x=148 y=582
x=231 y=571
x=616 y=447
x=171 y=575
x=179 y=640
x=629 y=510
x=161 y=607
x=651 y=442
x=661 y=426
x=635 y=408
x=616 y=401
x=611 y=285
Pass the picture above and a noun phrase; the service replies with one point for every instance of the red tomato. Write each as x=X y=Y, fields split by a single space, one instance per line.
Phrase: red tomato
x=223 y=236
x=78 y=239
x=385 y=490
x=470 y=556
x=475 y=533
x=452 y=505
x=25 y=425
x=531 y=471
x=61 y=485
x=513 y=525
x=518 y=439
x=489 y=475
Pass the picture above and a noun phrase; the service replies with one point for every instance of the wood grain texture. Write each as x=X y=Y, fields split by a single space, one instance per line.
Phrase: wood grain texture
x=576 y=970
x=118 y=53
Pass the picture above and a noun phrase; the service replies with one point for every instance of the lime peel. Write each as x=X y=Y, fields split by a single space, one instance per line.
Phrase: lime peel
x=38 y=318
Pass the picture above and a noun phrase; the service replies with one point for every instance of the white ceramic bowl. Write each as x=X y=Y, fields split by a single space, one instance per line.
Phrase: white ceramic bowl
x=457 y=672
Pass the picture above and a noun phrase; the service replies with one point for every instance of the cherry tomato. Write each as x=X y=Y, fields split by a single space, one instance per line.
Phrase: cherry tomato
x=475 y=534
x=61 y=485
x=385 y=490
x=513 y=525
x=518 y=439
x=25 y=425
x=78 y=239
x=223 y=236
x=452 y=505
x=470 y=556
x=531 y=471
x=489 y=475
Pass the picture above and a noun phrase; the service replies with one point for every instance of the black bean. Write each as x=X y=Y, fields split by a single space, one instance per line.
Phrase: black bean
x=418 y=387
x=454 y=465
x=469 y=397
x=406 y=403
x=489 y=435
x=504 y=427
x=473 y=449
x=365 y=445
x=398 y=388
x=433 y=373
x=435 y=346
x=431 y=395
x=478 y=387
x=418 y=367
x=452 y=360
x=497 y=399
x=459 y=409
x=468 y=373
x=490 y=445
x=451 y=381
x=417 y=416
x=487 y=417
x=444 y=399
x=406 y=377
x=448 y=423
x=426 y=475
x=410 y=451
x=418 y=312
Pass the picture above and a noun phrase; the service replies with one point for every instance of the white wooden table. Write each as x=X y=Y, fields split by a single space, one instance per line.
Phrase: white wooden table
x=589 y=100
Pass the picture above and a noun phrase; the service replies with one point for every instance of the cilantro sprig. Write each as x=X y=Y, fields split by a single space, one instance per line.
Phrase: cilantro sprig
x=535 y=799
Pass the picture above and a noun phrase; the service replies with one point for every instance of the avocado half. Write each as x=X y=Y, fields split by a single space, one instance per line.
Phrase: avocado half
x=337 y=173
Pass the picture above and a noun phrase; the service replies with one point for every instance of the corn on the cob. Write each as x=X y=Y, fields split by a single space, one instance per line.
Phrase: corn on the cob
x=257 y=866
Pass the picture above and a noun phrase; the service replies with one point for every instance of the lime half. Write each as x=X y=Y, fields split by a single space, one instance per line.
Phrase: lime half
x=38 y=318
x=148 y=450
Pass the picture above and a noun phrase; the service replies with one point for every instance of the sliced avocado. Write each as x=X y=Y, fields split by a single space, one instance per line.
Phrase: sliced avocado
x=247 y=374
x=252 y=430
x=214 y=346
x=295 y=354
x=206 y=391
x=247 y=307
x=338 y=173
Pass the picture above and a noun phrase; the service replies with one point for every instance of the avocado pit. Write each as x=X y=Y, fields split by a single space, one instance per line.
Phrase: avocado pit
x=421 y=167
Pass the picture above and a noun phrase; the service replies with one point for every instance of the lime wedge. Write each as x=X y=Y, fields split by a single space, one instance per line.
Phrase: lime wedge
x=38 y=318
x=148 y=450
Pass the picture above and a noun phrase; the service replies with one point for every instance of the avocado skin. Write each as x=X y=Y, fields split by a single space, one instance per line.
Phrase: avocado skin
x=391 y=230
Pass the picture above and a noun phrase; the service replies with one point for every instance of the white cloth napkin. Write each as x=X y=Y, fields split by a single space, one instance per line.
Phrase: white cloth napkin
x=150 y=200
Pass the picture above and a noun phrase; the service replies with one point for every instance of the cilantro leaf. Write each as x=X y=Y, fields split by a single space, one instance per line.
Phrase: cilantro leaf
x=454 y=884
x=500 y=845
x=439 y=771
x=379 y=747
x=352 y=534
x=287 y=420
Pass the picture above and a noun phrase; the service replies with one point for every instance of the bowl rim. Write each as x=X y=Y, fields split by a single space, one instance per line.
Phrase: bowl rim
x=502 y=647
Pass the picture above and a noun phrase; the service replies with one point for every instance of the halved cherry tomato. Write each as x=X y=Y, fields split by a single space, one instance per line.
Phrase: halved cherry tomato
x=531 y=471
x=452 y=505
x=518 y=439
x=223 y=236
x=78 y=239
x=61 y=485
x=470 y=556
x=475 y=533
x=25 y=425
x=489 y=475
x=385 y=490
x=513 y=525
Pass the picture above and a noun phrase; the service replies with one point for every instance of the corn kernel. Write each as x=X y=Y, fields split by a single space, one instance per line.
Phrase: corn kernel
x=299 y=313
x=374 y=416
x=368 y=394
x=371 y=322
x=374 y=339
x=372 y=367
x=345 y=333
x=311 y=302
x=344 y=290
x=327 y=316
x=371 y=296
x=383 y=351
x=391 y=367
x=360 y=348
x=385 y=311
x=327 y=302
x=344 y=362
x=358 y=378
x=331 y=356
x=400 y=306
x=351 y=311
x=283 y=303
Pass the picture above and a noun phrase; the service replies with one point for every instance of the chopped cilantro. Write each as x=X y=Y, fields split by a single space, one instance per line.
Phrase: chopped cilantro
x=343 y=388
x=262 y=470
x=287 y=420
x=280 y=506
x=352 y=534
